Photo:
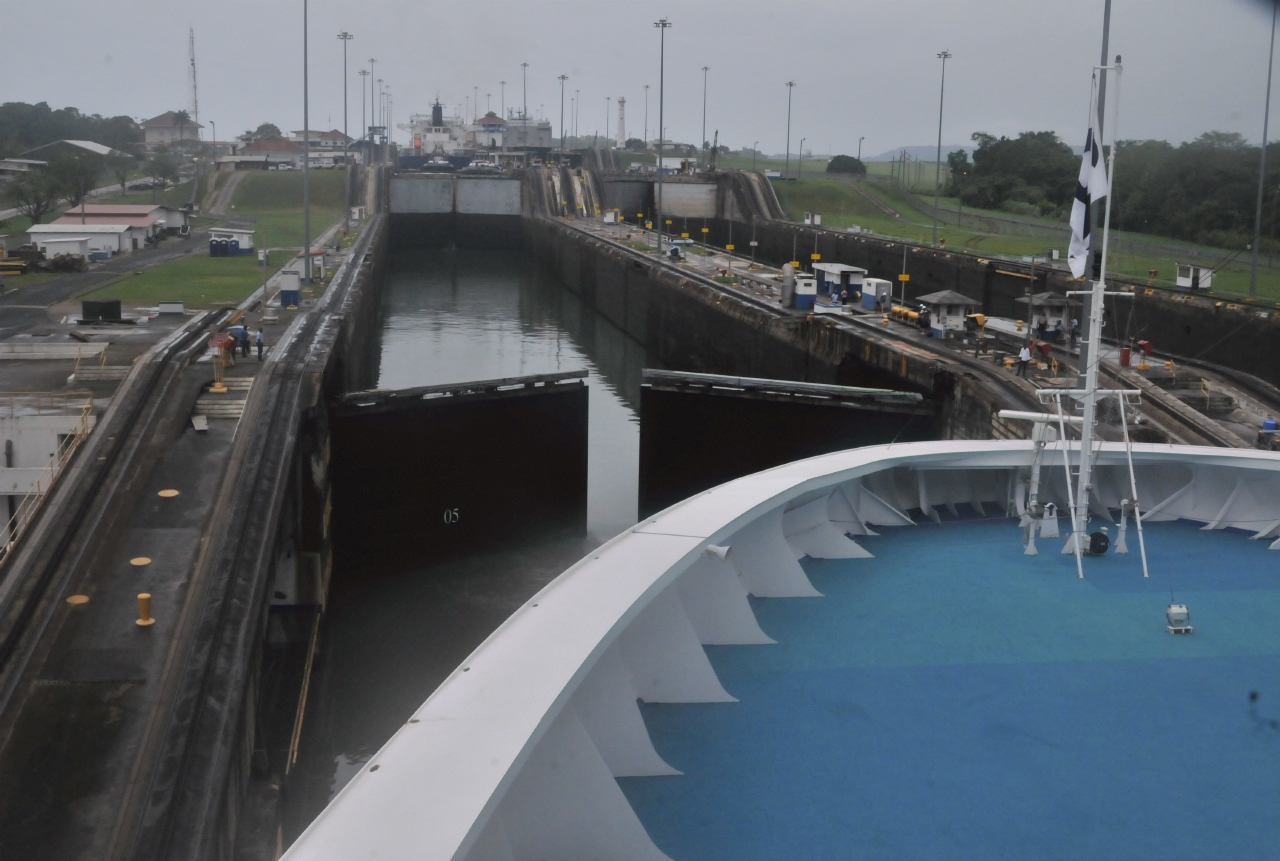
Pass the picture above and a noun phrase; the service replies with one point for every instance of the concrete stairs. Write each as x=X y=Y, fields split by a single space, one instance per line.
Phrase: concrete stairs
x=228 y=405
x=95 y=373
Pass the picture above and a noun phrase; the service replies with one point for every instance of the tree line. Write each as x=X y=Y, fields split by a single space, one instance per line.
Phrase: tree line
x=1203 y=190
x=24 y=127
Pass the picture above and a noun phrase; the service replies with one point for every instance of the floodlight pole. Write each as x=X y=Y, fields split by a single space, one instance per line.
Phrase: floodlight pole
x=1262 y=164
x=937 y=167
x=346 y=144
x=306 y=155
x=860 y=140
x=703 y=144
x=646 y=116
x=562 y=79
x=786 y=171
x=662 y=24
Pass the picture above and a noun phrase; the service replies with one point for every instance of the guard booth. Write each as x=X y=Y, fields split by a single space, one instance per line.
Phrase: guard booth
x=806 y=291
x=1052 y=309
x=877 y=294
x=947 y=311
x=1192 y=276
x=834 y=277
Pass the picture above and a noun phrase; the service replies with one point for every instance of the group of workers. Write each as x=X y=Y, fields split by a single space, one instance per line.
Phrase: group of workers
x=241 y=334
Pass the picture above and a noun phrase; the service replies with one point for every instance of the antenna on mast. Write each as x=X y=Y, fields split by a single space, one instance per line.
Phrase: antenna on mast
x=195 y=95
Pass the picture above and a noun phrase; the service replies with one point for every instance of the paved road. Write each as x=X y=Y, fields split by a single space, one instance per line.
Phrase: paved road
x=28 y=306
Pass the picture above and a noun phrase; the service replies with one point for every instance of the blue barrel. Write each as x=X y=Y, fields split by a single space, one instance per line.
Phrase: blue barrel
x=235 y=247
x=1269 y=424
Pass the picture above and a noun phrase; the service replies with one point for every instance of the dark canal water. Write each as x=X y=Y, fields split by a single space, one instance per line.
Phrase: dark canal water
x=390 y=638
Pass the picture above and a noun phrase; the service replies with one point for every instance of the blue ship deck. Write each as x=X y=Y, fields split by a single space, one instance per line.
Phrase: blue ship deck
x=954 y=698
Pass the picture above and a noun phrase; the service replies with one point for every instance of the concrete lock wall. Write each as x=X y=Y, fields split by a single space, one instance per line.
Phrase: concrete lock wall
x=689 y=200
x=421 y=194
x=631 y=196
x=488 y=196
x=687 y=325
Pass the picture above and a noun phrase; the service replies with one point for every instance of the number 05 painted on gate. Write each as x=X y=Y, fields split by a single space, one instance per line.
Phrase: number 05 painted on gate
x=451 y=515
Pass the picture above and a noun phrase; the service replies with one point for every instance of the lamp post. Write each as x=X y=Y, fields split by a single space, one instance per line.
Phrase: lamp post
x=800 y=161
x=346 y=143
x=608 y=101
x=1262 y=166
x=363 y=73
x=373 y=110
x=646 y=116
x=937 y=167
x=381 y=114
x=705 y=69
x=562 y=79
x=524 y=78
x=577 y=112
x=503 y=102
x=662 y=24
x=860 y=140
x=754 y=150
x=306 y=155
x=787 y=169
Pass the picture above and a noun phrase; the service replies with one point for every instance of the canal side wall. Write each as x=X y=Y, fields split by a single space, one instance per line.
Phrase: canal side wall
x=688 y=324
x=738 y=207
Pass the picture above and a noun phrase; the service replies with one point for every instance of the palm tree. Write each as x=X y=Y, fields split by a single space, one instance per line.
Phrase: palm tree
x=181 y=119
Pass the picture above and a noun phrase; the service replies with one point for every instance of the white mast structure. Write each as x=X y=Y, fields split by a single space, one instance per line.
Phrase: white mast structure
x=622 y=122
x=1089 y=395
x=1078 y=501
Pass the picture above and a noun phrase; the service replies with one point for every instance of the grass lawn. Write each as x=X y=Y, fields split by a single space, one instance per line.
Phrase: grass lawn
x=197 y=279
x=13 y=282
x=273 y=199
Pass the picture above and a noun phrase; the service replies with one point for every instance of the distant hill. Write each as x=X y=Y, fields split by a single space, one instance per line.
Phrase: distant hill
x=922 y=153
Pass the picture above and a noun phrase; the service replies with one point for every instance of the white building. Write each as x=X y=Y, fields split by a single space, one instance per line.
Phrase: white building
x=12 y=168
x=332 y=139
x=111 y=238
x=165 y=129
x=947 y=311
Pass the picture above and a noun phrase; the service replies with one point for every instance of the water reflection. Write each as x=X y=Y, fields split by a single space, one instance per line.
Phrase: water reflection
x=389 y=639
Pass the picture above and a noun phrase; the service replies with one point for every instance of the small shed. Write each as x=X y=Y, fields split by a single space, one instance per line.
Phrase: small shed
x=834 y=277
x=1051 y=309
x=947 y=311
x=55 y=245
x=1192 y=276
x=877 y=294
x=238 y=241
x=107 y=238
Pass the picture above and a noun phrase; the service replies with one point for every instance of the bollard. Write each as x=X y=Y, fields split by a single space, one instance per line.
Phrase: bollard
x=144 y=610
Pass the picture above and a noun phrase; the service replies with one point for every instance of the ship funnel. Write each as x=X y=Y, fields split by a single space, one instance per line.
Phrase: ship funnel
x=437 y=115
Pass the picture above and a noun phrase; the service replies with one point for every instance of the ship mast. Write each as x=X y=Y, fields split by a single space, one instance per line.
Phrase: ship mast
x=1089 y=399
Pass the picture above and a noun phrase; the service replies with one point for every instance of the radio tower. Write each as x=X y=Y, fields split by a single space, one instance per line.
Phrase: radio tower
x=195 y=96
x=622 y=121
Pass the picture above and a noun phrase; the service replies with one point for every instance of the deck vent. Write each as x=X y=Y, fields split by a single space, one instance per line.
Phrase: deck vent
x=1179 y=619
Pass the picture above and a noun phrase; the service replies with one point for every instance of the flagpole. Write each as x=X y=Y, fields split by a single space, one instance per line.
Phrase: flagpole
x=1084 y=474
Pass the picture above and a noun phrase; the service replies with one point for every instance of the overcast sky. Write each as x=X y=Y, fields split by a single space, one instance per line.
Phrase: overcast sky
x=864 y=69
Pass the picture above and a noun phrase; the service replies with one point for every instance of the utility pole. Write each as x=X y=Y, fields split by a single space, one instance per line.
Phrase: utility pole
x=524 y=78
x=754 y=150
x=787 y=169
x=562 y=79
x=364 y=126
x=577 y=112
x=608 y=101
x=1262 y=165
x=306 y=155
x=662 y=24
x=860 y=140
x=937 y=168
x=800 y=161
x=346 y=144
x=646 y=116
x=703 y=143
